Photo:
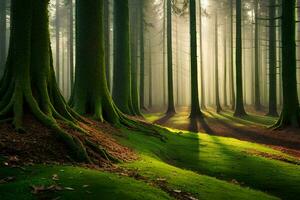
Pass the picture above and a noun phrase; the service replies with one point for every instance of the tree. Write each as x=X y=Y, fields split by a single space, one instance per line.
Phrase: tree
x=272 y=60
x=217 y=95
x=71 y=42
x=257 y=102
x=231 y=71
x=122 y=64
x=225 y=62
x=57 y=37
x=29 y=79
x=171 y=105
x=201 y=57
x=290 y=115
x=107 y=41
x=142 y=56
x=195 y=106
x=2 y=35
x=239 y=107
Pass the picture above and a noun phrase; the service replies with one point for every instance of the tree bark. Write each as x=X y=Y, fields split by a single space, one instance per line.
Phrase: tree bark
x=107 y=42
x=257 y=102
x=3 y=5
x=217 y=95
x=231 y=74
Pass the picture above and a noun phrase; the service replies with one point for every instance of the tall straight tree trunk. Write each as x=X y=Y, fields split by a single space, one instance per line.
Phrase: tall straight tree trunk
x=195 y=106
x=150 y=76
x=257 y=102
x=122 y=64
x=225 y=63
x=134 y=59
x=171 y=105
x=57 y=37
x=29 y=81
x=272 y=61
x=217 y=95
x=71 y=43
x=142 y=57
x=164 y=53
x=239 y=108
x=107 y=42
x=201 y=57
x=231 y=74
x=290 y=115
x=2 y=35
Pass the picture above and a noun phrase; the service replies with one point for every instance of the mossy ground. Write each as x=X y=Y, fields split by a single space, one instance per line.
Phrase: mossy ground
x=204 y=166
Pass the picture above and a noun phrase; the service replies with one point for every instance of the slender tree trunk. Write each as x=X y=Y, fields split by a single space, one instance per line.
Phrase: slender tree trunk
x=217 y=95
x=201 y=57
x=272 y=61
x=142 y=57
x=107 y=42
x=164 y=54
x=2 y=36
x=290 y=115
x=257 y=102
x=171 y=105
x=150 y=76
x=122 y=64
x=231 y=74
x=225 y=63
x=195 y=106
x=239 y=108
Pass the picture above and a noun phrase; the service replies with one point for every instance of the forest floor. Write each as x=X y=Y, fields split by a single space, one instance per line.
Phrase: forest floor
x=186 y=166
x=253 y=127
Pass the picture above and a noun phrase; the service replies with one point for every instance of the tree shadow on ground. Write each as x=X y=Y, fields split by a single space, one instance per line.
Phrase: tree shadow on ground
x=164 y=119
x=198 y=124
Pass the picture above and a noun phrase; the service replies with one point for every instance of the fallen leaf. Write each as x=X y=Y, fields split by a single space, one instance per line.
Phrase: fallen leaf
x=69 y=188
x=55 y=177
x=177 y=191
x=85 y=186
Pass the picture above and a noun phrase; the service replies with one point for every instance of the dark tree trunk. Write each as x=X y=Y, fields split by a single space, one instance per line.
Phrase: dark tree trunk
x=272 y=61
x=107 y=42
x=290 y=115
x=71 y=43
x=239 y=107
x=142 y=57
x=225 y=63
x=171 y=105
x=150 y=77
x=195 y=106
x=2 y=35
x=217 y=95
x=122 y=64
x=257 y=102
x=164 y=54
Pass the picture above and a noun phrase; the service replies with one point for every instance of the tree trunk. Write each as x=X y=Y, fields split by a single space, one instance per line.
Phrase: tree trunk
x=290 y=115
x=107 y=42
x=142 y=57
x=164 y=54
x=150 y=76
x=195 y=106
x=239 y=108
x=225 y=63
x=171 y=105
x=217 y=95
x=201 y=57
x=231 y=74
x=71 y=44
x=29 y=79
x=257 y=102
x=272 y=61
x=2 y=36
x=122 y=64
x=57 y=37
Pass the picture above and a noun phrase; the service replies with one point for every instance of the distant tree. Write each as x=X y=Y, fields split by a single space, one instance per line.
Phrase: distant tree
x=257 y=102
x=195 y=106
x=3 y=5
x=71 y=41
x=231 y=71
x=239 y=107
x=122 y=64
x=171 y=105
x=217 y=95
x=142 y=55
x=290 y=115
x=57 y=37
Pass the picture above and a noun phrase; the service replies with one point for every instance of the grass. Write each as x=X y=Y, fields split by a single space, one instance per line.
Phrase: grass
x=87 y=184
x=189 y=160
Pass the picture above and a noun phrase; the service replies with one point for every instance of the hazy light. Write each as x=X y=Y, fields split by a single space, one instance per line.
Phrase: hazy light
x=204 y=3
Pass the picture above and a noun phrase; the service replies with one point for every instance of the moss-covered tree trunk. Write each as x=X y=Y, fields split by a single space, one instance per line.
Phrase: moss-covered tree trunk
x=257 y=103
x=290 y=115
x=272 y=60
x=107 y=41
x=57 y=38
x=71 y=42
x=195 y=106
x=142 y=56
x=171 y=104
x=122 y=64
x=29 y=83
x=239 y=107
x=2 y=35
x=217 y=90
x=202 y=90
